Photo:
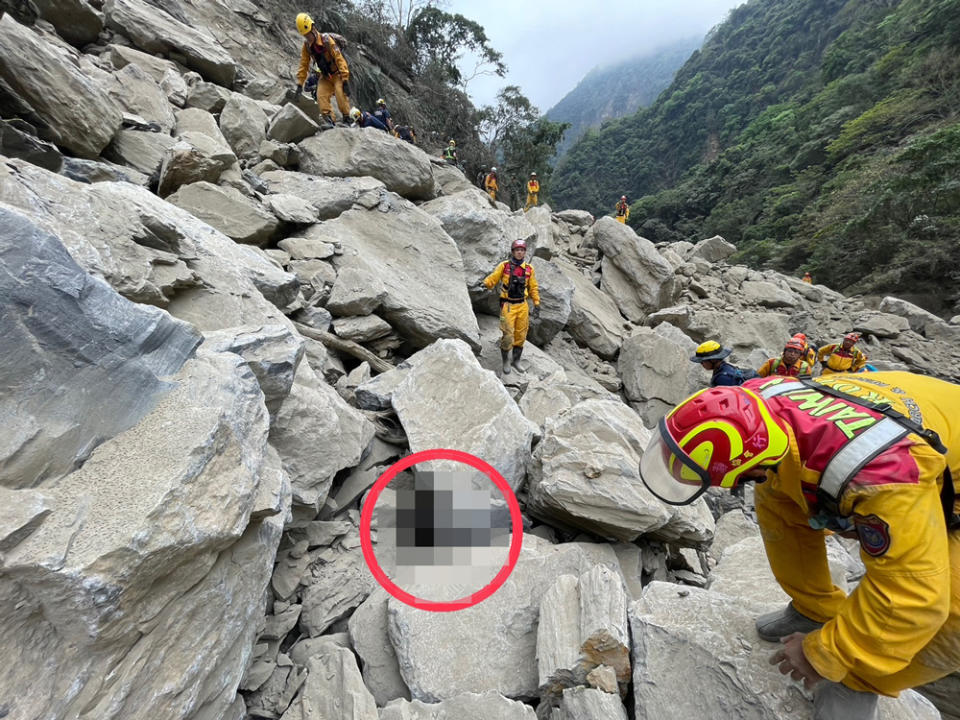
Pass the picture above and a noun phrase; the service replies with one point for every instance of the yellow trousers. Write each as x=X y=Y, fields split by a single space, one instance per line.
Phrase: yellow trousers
x=622 y=219
x=492 y=194
x=797 y=556
x=531 y=200
x=327 y=87
x=514 y=323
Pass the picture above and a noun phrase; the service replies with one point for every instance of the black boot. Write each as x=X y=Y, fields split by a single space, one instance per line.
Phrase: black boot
x=505 y=355
x=517 y=352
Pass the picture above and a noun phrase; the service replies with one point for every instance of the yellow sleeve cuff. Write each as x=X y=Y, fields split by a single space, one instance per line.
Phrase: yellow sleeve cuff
x=823 y=661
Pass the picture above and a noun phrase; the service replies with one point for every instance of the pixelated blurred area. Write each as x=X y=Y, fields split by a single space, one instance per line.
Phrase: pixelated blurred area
x=442 y=535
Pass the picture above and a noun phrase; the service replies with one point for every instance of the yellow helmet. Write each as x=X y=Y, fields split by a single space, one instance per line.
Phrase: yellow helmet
x=381 y=101
x=453 y=143
x=710 y=350
x=304 y=23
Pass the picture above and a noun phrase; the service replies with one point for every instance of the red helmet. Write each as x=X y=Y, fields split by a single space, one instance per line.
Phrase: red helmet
x=853 y=337
x=795 y=343
x=711 y=438
x=518 y=243
x=801 y=337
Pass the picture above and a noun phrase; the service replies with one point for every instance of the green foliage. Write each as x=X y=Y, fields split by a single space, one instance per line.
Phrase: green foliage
x=519 y=142
x=816 y=136
x=440 y=39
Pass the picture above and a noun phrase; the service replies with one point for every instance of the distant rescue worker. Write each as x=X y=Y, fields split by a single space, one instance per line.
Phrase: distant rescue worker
x=875 y=458
x=809 y=353
x=365 y=119
x=622 y=210
x=711 y=356
x=518 y=281
x=333 y=72
x=845 y=357
x=807 y=279
x=383 y=115
x=481 y=177
x=533 y=192
x=406 y=133
x=490 y=184
x=789 y=364
x=450 y=153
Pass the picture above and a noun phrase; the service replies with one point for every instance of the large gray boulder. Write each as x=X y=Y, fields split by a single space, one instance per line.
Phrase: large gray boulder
x=155 y=31
x=18 y=139
x=291 y=125
x=713 y=249
x=143 y=151
x=66 y=106
x=490 y=646
x=67 y=403
x=446 y=400
x=334 y=689
x=133 y=575
x=352 y=152
x=142 y=245
x=244 y=124
x=317 y=434
x=634 y=274
x=75 y=20
x=921 y=321
x=141 y=95
x=709 y=641
x=656 y=370
x=489 y=705
x=417 y=263
x=228 y=210
x=586 y=472
x=155 y=67
x=368 y=635
x=595 y=320
x=331 y=196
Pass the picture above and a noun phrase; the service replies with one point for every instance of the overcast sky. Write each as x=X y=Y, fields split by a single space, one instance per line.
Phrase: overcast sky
x=549 y=45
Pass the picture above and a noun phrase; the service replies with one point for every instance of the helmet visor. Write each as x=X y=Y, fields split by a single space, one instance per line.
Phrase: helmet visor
x=669 y=473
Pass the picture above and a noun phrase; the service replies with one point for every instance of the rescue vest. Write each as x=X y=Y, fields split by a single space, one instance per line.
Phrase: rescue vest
x=533 y=186
x=323 y=56
x=840 y=360
x=621 y=208
x=779 y=367
x=861 y=448
x=450 y=153
x=514 y=282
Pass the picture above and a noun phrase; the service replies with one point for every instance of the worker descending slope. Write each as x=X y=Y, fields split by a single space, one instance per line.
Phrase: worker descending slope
x=872 y=458
x=332 y=69
x=518 y=281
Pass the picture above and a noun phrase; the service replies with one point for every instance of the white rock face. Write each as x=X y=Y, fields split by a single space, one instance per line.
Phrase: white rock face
x=468 y=706
x=396 y=243
x=490 y=646
x=356 y=152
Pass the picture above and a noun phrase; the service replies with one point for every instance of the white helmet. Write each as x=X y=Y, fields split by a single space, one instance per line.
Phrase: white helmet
x=355 y=113
x=493 y=169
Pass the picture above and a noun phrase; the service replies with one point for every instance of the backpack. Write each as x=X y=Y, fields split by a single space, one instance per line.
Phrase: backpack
x=746 y=374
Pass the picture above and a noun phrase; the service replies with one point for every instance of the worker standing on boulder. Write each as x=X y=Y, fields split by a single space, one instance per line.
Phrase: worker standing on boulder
x=450 y=153
x=518 y=281
x=807 y=279
x=711 y=355
x=533 y=192
x=622 y=210
x=874 y=460
x=490 y=184
x=322 y=49
x=789 y=364
x=843 y=357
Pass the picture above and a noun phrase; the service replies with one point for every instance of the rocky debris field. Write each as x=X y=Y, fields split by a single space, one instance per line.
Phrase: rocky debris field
x=222 y=325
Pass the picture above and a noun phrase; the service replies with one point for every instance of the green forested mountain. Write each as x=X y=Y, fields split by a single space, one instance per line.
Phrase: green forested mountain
x=817 y=135
x=612 y=92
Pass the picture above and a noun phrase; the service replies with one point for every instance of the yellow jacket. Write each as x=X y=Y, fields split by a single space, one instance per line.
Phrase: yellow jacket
x=490 y=183
x=330 y=60
x=776 y=366
x=835 y=359
x=502 y=276
x=892 y=632
x=533 y=187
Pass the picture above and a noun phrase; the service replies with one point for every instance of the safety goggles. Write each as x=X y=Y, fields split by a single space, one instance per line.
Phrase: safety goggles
x=669 y=473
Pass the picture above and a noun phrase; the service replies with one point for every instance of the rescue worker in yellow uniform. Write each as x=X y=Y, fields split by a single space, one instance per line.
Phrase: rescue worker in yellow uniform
x=789 y=364
x=518 y=281
x=809 y=354
x=490 y=184
x=842 y=357
x=322 y=49
x=622 y=210
x=871 y=456
x=807 y=279
x=533 y=192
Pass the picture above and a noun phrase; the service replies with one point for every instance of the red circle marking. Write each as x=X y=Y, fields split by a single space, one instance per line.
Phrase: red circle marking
x=366 y=517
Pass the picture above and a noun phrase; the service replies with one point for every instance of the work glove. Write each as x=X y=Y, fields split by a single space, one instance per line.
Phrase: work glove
x=536 y=312
x=480 y=285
